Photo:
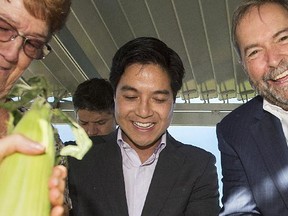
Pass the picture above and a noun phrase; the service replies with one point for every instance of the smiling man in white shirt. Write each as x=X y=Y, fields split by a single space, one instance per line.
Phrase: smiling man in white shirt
x=253 y=138
x=140 y=169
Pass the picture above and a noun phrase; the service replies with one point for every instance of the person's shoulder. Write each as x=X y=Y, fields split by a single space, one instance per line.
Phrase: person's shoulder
x=245 y=113
x=195 y=158
x=188 y=150
x=98 y=143
x=95 y=140
x=251 y=107
x=98 y=139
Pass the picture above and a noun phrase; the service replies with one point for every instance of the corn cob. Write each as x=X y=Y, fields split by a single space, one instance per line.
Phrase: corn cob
x=24 y=178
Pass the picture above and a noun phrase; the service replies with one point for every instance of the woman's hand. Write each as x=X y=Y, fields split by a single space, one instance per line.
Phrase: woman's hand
x=18 y=143
x=56 y=190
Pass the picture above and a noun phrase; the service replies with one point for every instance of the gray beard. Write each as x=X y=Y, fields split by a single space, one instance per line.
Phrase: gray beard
x=273 y=96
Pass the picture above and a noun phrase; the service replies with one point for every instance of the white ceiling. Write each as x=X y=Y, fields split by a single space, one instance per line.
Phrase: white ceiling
x=198 y=30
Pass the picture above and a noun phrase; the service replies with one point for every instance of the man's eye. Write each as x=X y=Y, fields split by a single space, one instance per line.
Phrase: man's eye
x=252 y=53
x=160 y=100
x=130 y=97
x=284 y=38
x=102 y=122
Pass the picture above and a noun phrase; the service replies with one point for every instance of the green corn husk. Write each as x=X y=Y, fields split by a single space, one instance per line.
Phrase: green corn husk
x=24 y=179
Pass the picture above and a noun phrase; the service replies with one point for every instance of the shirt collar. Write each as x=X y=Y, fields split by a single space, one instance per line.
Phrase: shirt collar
x=124 y=145
x=275 y=110
x=281 y=114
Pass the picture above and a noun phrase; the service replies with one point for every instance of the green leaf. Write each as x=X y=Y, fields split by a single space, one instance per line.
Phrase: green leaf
x=81 y=138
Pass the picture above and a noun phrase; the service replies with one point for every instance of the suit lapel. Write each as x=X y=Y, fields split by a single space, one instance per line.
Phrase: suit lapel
x=271 y=143
x=165 y=175
x=113 y=180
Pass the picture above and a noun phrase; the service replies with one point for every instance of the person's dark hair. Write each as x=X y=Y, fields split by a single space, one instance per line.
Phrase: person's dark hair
x=94 y=95
x=148 y=50
x=243 y=9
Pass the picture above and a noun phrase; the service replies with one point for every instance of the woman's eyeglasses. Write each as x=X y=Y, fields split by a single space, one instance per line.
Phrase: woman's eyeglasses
x=33 y=48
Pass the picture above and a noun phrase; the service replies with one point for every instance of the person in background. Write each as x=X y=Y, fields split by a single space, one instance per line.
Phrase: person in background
x=253 y=138
x=140 y=169
x=26 y=26
x=94 y=106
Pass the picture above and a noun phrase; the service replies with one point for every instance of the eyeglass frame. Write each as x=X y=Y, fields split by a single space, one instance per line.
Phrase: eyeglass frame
x=45 y=50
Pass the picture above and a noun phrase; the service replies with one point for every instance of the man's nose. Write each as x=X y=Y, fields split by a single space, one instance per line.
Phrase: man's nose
x=92 y=130
x=274 y=56
x=144 y=109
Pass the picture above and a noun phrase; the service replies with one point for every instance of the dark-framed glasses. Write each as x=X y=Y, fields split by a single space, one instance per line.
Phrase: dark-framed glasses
x=33 y=48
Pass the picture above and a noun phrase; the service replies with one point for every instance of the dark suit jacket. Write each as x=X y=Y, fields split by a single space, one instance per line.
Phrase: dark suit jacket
x=254 y=157
x=184 y=181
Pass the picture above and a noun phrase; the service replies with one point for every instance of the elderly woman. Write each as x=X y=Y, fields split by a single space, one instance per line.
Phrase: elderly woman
x=26 y=26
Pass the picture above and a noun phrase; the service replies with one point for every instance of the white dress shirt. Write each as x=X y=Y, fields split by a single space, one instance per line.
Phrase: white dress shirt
x=279 y=113
x=137 y=175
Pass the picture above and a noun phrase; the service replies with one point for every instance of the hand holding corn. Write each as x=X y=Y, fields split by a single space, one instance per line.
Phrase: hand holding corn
x=23 y=183
x=18 y=143
x=56 y=189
